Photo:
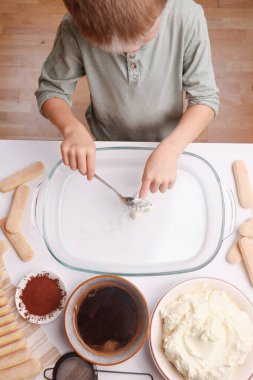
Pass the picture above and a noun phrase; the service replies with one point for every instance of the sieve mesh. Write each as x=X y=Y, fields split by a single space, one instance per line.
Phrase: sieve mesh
x=75 y=369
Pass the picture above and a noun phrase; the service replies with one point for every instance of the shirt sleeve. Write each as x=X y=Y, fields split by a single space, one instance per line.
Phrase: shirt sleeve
x=198 y=74
x=62 y=68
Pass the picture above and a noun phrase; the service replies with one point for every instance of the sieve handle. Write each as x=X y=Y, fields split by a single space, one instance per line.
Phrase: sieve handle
x=127 y=373
x=45 y=373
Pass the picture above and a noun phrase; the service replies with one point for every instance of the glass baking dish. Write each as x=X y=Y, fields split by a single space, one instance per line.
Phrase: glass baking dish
x=86 y=227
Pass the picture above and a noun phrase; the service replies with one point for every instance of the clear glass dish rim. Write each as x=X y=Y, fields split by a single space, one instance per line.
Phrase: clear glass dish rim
x=139 y=274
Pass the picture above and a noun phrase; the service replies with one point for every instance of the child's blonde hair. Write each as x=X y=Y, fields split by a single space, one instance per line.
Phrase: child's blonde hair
x=112 y=24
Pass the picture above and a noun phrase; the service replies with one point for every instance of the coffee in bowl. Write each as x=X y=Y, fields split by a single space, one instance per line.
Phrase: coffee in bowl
x=107 y=319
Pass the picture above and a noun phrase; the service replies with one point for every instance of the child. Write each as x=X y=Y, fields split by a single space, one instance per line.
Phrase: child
x=138 y=56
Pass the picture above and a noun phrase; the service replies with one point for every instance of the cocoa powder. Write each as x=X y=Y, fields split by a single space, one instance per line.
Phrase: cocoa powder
x=42 y=295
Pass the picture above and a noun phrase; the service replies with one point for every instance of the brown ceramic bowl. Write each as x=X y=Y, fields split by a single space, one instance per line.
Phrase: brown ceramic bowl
x=70 y=321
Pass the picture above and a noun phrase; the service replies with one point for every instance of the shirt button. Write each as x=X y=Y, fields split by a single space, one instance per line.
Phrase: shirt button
x=132 y=55
x=133 y=66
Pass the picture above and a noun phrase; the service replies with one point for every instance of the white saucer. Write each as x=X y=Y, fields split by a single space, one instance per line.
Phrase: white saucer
x=22 y=308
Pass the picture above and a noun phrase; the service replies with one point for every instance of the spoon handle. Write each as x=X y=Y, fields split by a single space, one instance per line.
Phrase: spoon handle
x=109 y=186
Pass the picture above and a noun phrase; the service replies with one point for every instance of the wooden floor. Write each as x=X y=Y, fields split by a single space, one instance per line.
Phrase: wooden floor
x=27 y=30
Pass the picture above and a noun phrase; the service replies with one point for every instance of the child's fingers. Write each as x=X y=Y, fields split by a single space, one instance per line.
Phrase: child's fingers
x=144 y=189
x=90 y=163
x=154 y=186
x=163 y=187
x=72 y=160
x=81 y=162
x=64 y=154
x=171 y=184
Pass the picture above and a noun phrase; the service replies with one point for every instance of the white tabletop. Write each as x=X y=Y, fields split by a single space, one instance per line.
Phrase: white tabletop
x=15 y=155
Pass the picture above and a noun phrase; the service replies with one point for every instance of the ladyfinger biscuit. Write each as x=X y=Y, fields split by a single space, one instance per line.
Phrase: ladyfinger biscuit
x=12 y=347
x=17 y=179
x=246 y=247
x=19 y=243
x=4 y=310
x=3 y=301
x=12 y=337
x=10 y=327
x=243 y=185
x=3 y=246
x=18 y=204
x=234 y=254
x=6 y=319
x=246 y=229
x=30 y=368
x=15 y=358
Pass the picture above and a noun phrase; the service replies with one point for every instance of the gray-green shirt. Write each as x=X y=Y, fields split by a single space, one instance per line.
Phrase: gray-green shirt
x=136 y=97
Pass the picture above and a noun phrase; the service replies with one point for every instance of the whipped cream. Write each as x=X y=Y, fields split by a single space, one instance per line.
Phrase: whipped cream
x=139 y=206
x=205 y=334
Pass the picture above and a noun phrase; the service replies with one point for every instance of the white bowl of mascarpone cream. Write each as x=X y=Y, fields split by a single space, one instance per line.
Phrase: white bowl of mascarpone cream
x=202 y=329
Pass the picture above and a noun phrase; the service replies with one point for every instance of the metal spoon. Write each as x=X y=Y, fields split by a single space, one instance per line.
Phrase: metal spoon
x=129 y=201
x=136 y=205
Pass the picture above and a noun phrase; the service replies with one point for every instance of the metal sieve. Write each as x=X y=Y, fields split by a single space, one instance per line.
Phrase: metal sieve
x=72 y=367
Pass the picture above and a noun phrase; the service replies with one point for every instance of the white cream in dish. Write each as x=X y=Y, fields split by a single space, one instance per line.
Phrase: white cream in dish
x=139 y=206
x=205 y=334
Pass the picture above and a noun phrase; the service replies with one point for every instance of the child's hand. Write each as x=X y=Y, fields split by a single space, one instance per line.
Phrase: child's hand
x=78 y=150
x=160 y=170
